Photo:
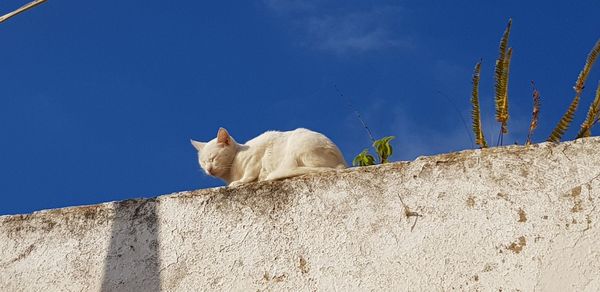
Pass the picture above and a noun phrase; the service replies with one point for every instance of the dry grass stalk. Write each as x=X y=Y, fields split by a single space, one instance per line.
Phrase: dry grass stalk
x=504 y=105
x=567 y=118
x=21 y=10
x=535 y=114
x=592 y=118
x=475 y=112
x=501 y=74
x=592 y=56
x=565 y=121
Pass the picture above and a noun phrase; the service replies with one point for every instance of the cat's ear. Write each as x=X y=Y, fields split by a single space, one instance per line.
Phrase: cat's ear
x=223 y=137
x=198 y=145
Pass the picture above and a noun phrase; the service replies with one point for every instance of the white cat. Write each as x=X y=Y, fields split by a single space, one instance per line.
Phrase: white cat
x=270 y=156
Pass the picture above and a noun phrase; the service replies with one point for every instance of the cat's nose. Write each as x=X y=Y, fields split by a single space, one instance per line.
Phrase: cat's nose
x=210 y=170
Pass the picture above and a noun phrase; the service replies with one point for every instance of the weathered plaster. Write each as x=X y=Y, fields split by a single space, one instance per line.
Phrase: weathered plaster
x=509 y=218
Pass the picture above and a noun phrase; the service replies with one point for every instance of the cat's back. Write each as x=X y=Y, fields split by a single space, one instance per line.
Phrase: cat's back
x=300 y=147
x=298 y=135
x=306 y=137
x=267 y=137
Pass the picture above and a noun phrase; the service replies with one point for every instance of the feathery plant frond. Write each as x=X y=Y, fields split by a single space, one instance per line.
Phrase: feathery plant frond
x=475 y=111
x=535 y=113
x=592 y=117
x=567 y=118
x=565 y=121
x=504 y=105
x=499 y=70
x=383 y=148
x=501 y=74
x=363 y=159
x=592 y=56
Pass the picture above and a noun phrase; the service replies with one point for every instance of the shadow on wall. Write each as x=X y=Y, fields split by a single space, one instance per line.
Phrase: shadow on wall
x=133 y=261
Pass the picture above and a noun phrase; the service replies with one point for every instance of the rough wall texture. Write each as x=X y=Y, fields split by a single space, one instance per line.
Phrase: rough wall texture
x=510 y=218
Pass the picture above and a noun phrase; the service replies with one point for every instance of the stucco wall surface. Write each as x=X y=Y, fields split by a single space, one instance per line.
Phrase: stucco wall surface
x=510 y=218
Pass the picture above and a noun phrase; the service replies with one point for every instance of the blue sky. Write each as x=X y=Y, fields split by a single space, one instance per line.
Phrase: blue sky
x=99 y=99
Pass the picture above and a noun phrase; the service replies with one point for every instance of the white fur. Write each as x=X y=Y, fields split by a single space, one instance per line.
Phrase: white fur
x=270 y=156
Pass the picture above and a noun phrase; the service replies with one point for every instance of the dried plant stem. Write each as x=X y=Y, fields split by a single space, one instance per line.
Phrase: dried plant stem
x=501 y=74
x=592 y=117
x=535 y=113
x=567 y=118
x=409 y=213
x=453 y=104
x=358 y=116
x=500 y=139
x=22 y=9
x=475 y=111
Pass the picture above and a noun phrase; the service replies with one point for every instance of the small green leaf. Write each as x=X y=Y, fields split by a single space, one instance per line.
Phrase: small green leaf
x=384 y=148
x=363 y=159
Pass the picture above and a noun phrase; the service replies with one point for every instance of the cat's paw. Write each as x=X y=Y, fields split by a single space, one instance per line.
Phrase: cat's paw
x=235 y=183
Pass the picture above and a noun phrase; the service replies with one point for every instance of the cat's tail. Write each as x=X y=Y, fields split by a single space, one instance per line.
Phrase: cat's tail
x=326 y=157
x=336 y=159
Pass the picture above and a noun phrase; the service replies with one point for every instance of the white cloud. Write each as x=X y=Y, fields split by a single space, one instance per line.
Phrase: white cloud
x=289 y=6
x=341 y=31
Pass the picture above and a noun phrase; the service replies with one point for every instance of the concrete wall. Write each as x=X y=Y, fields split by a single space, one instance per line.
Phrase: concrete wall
x=510 y=218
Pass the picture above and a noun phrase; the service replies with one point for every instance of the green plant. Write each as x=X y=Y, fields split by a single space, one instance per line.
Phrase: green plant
x=363 y=159
x=382 y=147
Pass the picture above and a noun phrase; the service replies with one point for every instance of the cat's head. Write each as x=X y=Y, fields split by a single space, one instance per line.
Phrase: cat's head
x=216 y=156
